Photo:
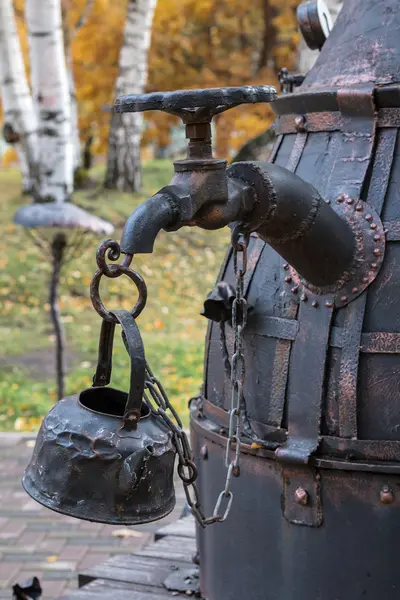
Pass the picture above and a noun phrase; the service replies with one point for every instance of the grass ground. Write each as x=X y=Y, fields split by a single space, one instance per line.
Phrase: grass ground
x=179 y=275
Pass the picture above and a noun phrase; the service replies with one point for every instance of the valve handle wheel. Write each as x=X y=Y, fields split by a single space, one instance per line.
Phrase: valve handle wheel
x=196 y=106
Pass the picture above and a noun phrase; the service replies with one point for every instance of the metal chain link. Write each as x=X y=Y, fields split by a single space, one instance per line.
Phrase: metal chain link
x=159 y=405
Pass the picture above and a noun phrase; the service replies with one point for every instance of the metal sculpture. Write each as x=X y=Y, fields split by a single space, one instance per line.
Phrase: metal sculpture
x=300 y=403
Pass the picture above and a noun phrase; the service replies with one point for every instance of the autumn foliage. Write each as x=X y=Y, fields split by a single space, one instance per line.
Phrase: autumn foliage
x=195 y=44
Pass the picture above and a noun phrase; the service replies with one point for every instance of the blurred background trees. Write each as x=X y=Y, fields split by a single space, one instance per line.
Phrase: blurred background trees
x=194 y=43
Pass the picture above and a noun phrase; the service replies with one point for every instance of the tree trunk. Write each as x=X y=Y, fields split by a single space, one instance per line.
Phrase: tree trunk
x=19 y=114
x=123 y=161
x=308 y=57
x=51 y=95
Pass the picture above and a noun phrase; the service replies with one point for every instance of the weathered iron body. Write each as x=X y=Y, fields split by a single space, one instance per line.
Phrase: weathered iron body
x=316 y=513
x=314 y=505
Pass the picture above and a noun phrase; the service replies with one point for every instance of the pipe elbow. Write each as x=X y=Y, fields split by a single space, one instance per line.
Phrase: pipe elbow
x=291 y=216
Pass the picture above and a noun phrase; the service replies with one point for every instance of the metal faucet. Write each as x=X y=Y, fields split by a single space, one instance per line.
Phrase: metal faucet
x=281 y=207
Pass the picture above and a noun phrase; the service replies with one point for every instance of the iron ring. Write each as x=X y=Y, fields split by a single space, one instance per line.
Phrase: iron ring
x=120 y=270
x=192 y=472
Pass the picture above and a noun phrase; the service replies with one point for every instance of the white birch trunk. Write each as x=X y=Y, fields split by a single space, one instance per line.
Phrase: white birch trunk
x=123 y=162
x=308 y=57
x=76 y=141
x=50 y=89
x=17 y=102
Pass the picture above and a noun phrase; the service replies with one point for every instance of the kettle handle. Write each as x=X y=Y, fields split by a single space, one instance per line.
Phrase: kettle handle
x=134 y=345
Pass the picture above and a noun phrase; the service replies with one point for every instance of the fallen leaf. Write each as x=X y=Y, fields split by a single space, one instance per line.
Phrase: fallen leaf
x=126 y=533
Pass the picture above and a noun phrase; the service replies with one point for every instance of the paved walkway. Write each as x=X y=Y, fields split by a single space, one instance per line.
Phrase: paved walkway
x=37 y=541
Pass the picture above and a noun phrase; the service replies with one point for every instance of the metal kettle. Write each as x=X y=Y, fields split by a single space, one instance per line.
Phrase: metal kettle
x=104 y=455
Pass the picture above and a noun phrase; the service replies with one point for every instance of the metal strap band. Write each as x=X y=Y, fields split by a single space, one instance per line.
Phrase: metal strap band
x=306 y=379
x=333 y=121
x=359 y=126
x=280 y=369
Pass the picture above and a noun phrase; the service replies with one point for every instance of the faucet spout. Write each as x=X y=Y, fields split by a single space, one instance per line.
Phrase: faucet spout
x=161 y=211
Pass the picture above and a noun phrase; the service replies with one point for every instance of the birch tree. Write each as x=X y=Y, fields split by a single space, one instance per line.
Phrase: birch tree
x=20 y=120
x=51 y=94
x=123 y=161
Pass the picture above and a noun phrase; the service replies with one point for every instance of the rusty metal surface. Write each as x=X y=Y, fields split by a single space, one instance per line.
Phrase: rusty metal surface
x=305 y=562
x=95 y=451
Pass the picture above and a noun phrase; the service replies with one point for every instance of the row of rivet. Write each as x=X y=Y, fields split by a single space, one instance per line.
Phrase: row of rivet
x=374 y=265
x=301 y=496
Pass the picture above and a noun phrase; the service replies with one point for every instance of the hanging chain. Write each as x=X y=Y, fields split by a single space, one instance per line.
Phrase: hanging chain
x=155 y=394
x=187 y=470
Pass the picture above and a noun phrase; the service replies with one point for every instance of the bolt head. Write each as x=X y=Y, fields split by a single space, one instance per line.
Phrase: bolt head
x=340 y=198
x=373 y=226
x=301 y=496
x=374 y=266
x=349 y=200
x=377 y=252
x=285 y=266
x=386 y=495
x=288 y=279
x=359 y=207
x=300 y=123
x=354 y=290
x=377 y=238
x=328 y=304
x=368 y=217
x=295 y=289
x=204 y=452
x=365 y=279
x=344 y=299
x=314 y=303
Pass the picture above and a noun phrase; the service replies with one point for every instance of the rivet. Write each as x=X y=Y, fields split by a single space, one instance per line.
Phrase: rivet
x=204 y=452
x=301 y=496
x=328 y=201
x=374 y=266
x=222 y=431
x=295 y=289
x=343 y=299
x=349 y=200
x=377 y=238
x=286 y=266
x=314 y=303
x=386 y=495
x=354 y=290
x=328 y=304
x=300 y=123
x=288 y=279
x=340 y=198
x=359 y=207
x=368 y=217
x=377 y=252
x=373 y=226
x=365 y=279
x=303 y=297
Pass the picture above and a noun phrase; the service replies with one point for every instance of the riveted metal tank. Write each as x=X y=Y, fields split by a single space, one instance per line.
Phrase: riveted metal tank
x=316 y=511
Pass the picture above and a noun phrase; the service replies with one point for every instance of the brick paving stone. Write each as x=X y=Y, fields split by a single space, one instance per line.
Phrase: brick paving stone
x=72 y=552
x=12 y=529
x=92 y=559
x=7 y=573
x=31 y=534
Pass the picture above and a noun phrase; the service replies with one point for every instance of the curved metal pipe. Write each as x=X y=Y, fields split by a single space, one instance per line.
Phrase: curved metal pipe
x=292 y=217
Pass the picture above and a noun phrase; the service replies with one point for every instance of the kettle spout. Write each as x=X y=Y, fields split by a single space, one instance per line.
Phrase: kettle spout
x=144 y=224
